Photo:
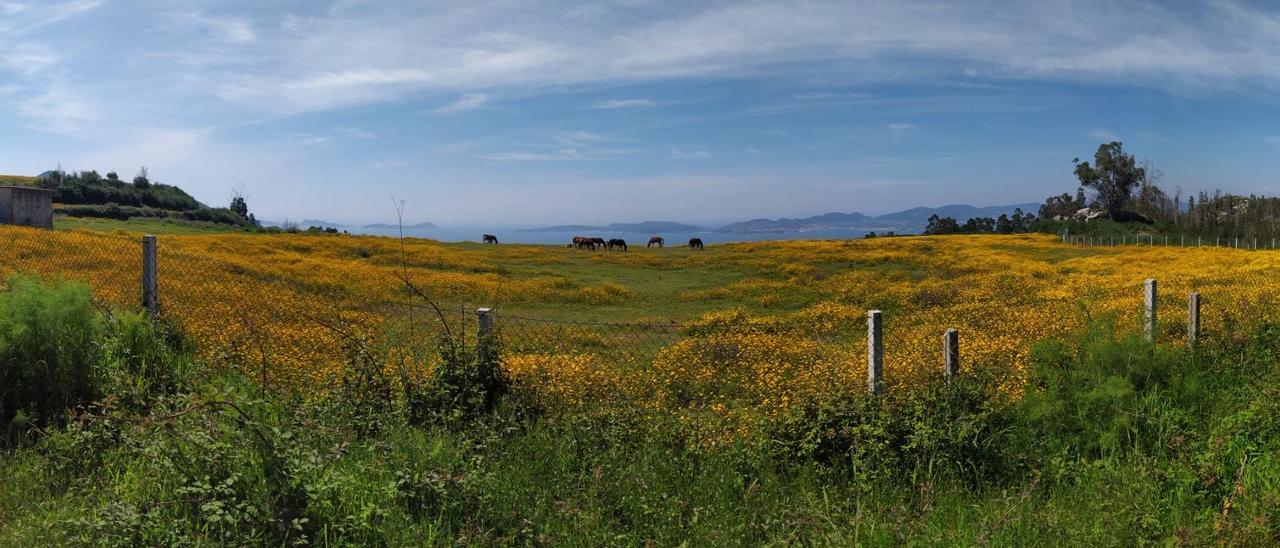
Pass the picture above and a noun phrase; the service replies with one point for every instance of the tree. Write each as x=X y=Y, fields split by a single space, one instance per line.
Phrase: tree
x=941 y=225
x=112 y=176
x=238 y=204
x=1112 y=177
x=240 y=207
x=1062 y=207
x=143 y=179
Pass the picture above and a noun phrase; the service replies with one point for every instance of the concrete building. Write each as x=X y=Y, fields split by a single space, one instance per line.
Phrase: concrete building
x=25 y=205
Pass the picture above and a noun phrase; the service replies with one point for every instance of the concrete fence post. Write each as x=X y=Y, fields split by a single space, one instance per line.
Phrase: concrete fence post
x=875 y=352
x=1193 y=319
x=150 y=287
x=484 y=330
x=951 y=353
x=1149 y=307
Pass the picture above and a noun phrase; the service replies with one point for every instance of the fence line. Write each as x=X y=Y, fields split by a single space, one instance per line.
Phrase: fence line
x=491 y=324
x=256 y=323
x=1150 y=240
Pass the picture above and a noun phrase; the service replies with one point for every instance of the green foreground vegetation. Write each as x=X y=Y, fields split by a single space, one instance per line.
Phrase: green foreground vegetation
x=114 y=435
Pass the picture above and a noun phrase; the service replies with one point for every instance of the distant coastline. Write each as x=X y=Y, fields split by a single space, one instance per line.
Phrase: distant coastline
x=908 y=220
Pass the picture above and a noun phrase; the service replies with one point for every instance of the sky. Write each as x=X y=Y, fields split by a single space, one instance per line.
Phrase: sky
x=533 y=112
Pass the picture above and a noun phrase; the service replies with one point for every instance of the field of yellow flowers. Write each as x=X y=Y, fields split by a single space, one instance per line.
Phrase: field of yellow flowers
x=760 y=326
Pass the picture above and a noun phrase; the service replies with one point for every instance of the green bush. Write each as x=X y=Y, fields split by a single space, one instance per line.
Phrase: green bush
x=141 y=361
x=48 y=350
x=1098 y=396
x=468 y=381
x=941 y=431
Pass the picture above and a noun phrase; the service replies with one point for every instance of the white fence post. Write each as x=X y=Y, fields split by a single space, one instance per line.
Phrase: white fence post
x=1149 y=306
x=875 y=352
x=1193 y=319
x=951 y=353
x=150 y=287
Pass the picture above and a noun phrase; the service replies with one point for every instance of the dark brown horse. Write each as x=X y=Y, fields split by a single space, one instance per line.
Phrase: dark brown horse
x=600 y=242
x=617 y=244
x=656 y=240
x=695 y=243
x=490 y=239
x=583 y=242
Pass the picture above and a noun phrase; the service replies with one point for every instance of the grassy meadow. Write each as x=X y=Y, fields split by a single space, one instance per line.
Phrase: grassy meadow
x=296 y=390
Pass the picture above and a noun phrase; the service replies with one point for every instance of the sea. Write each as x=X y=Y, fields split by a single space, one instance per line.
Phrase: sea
x=516 y=235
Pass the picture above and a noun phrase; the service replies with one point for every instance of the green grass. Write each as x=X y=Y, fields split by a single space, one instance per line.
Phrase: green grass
x=19 y=180
x=141 y=226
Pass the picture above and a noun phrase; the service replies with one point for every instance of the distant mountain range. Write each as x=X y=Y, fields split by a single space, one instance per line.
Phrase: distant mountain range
x=829 y=221
x=421 y=226
x=907 y=220
x=326 y=224
x=641 y=227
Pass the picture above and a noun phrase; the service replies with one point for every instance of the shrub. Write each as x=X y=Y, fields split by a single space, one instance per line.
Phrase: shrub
x=1099 y=396
x=48 y=349
x=469 y=381
x=939 y=431
x=141 y=360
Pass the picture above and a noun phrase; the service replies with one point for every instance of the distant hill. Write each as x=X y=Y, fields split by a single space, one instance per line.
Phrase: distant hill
x=91 y=189
x=910 y=219
x=959 y=212
x=320 y=223
x=829 y=221
x=17 y=180
x=420 y=226
x=90 y=194
x=646 y=227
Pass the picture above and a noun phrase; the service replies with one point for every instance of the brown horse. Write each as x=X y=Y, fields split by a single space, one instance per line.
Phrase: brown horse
x=656 y=240
x=600 y=242
x=617 y=244
x=490 y=239
x=583 y=242
x=695 y=243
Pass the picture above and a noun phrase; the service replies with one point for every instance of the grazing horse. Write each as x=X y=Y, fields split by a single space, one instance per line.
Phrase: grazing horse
x=582 y=242
x=695 y=243
x=600 y=242
x=656 y=240
x=617 y=244
x=490 y=239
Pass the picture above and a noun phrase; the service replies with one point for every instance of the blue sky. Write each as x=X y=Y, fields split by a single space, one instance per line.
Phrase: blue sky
x=535 y=112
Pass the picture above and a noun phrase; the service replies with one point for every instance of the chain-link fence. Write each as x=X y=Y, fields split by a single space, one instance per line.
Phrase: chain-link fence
x=272 y=317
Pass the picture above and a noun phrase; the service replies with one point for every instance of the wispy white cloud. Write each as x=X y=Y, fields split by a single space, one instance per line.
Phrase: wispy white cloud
x=228 y=29
x=690 y=153
x=58 y=110
x=355 y=133
x=468 y=101
x=309 y=139
x=578 y=138
x=531 y=156
x=901 y=127
x=1273 y=139
x=1104 y=135
x=621 y=103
